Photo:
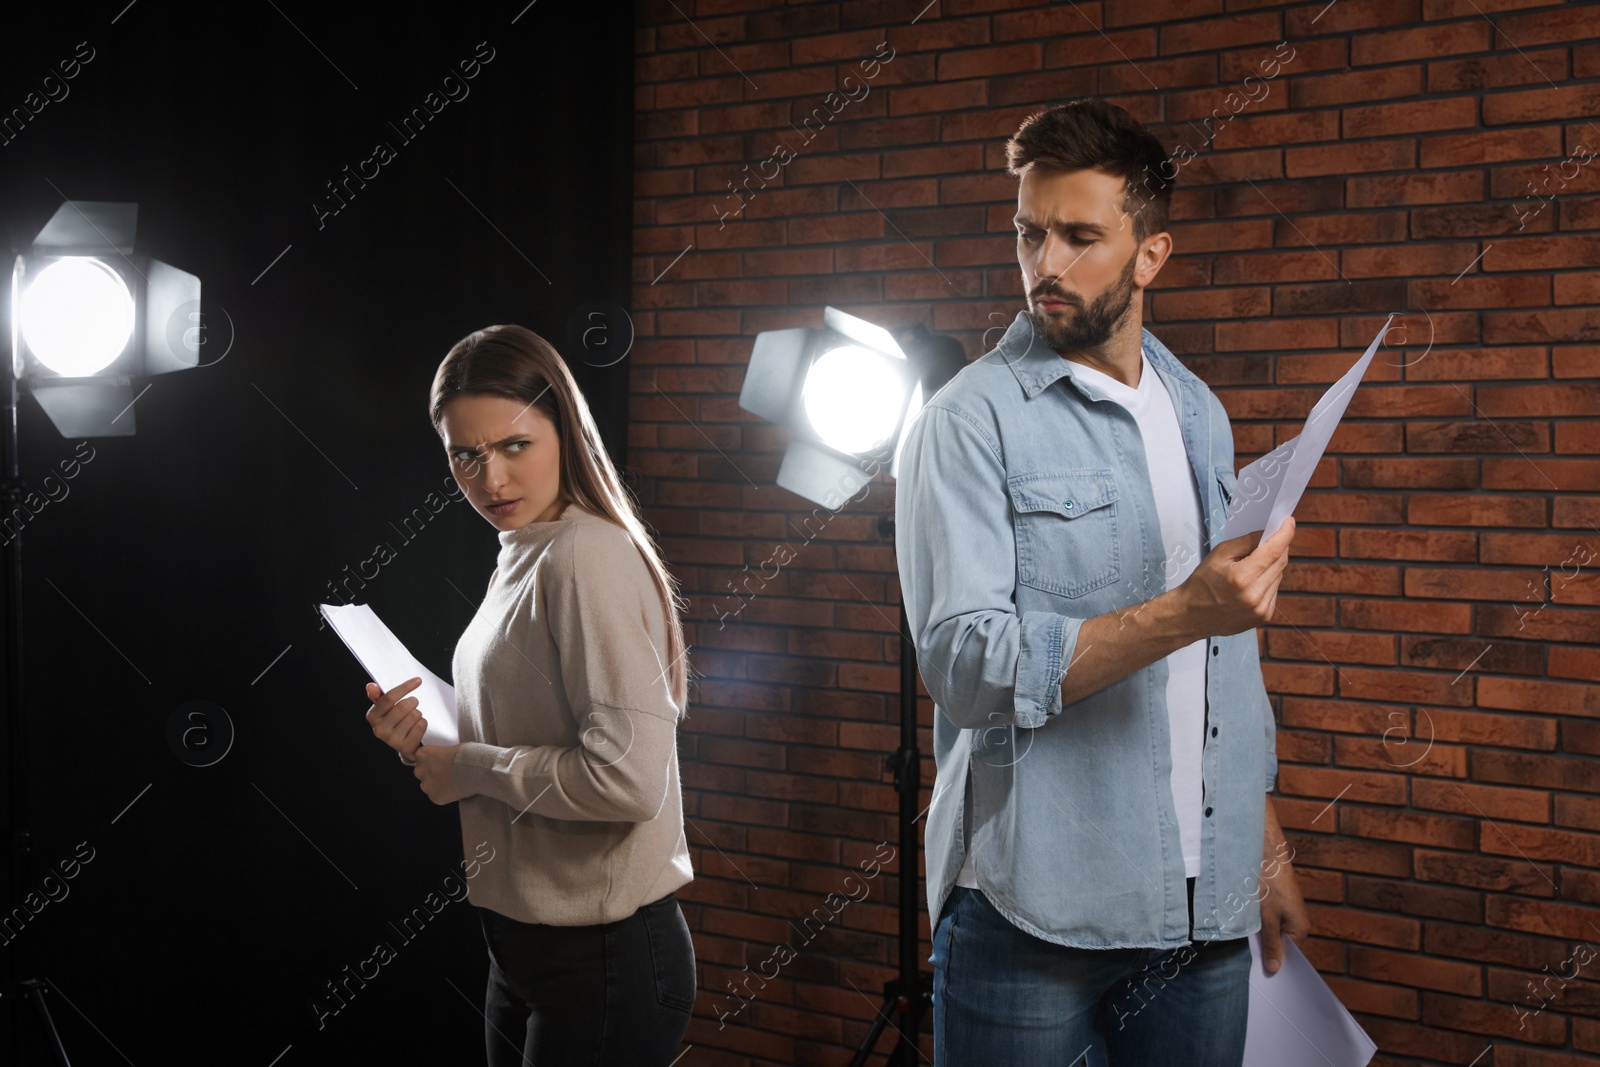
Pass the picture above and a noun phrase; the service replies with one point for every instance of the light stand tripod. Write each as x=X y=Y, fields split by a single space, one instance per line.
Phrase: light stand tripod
x=911 y=993
x=12 y=491
x=939 y=357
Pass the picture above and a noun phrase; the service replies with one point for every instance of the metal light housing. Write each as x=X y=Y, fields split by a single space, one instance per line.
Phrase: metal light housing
x=88 y=315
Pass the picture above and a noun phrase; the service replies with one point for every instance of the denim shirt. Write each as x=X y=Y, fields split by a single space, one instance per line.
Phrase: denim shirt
x=1023 y=508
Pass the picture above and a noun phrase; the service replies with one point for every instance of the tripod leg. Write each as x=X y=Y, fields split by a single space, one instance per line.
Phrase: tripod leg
x=871 y=1040
x=36 y=990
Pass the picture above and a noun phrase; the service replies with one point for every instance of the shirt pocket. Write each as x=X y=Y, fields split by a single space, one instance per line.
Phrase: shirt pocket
x=1066 y=529
x=1229 y=482
x=1227 y=489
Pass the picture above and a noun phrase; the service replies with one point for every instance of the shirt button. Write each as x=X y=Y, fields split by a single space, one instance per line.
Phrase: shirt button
x=1208 y=811
x=1213 y=650
x=1213 y=731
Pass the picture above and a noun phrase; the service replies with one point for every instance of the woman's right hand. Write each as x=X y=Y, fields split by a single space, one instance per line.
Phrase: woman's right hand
x=395 y=718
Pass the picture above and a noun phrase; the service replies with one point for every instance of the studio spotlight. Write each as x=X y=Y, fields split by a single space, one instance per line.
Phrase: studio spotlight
x=846 y=391
x=88 y=315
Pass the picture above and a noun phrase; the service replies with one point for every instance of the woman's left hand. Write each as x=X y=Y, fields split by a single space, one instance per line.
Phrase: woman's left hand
x=436 y=771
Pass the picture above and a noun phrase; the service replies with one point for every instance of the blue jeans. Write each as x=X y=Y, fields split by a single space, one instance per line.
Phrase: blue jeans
x=613 y=995
x=1004 y=996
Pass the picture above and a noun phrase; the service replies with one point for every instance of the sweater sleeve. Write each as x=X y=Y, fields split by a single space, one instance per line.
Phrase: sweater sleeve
x=609 y=626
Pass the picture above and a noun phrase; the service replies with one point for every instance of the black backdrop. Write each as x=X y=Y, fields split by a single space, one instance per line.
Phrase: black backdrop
x=183 y=563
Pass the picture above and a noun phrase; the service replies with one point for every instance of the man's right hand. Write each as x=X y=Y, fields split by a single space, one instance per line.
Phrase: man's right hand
x=1235 y=588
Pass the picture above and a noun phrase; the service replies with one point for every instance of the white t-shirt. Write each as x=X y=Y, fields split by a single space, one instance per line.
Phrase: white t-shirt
x=1178 y=511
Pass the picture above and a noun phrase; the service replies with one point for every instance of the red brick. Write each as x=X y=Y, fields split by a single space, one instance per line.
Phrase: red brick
x=1520 y=768
x=1545 y=475
x=1515 y=875
x=1495 y=72
x=1349 y=86
x=1367 y=227
x=1330 y=782
x=1398 y=1038
x=989 y=62
x=1218 y=33
x=1500 y=1020
x=1516 y=290
x=1552 y=698
x=1551 y=917
x=1331 y=645
x=1386 y=120
x=1427 y=42
x=1270 y=267
x=1479 y=510
x=1342 y=715
x=1529 y=622
x=1578 y=813
x=1502 y=731
x=1361 y=157
x=1567 y=661
x=1210 y=304
x=1538 y=549
x=1460 y=655
x=1437 y=830
x=1417 y=754
x=1378 y=997
x=1417 y=686
x=1579 y=437
x=1100 y=49
x=1448 y=187
x=1371 y=928
x=1441 y=545
x=1479 y=436
x=1478 y=364
x=1490 y=146
x=1406 y=261
x=1412 y=969
x=1575 y=324
x=1297 y=678
x=1341 y=578
x=1415 y=617
x=1342 y=854
x=1540 y=105
x=1485 y=945
x=1567 y=399
x=1542 y=253
x=1473 y=583
x=1523 y=31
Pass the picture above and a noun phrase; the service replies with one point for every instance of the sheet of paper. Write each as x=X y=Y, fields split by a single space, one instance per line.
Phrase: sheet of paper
x=1295 y=1018
x=1267 y=490
x=389 y=664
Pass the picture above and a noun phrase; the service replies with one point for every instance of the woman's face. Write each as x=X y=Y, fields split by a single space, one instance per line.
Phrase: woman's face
x=503 y=450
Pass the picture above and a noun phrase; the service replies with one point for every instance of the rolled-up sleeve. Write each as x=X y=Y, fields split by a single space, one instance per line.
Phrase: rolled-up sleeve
x=982 y=662
x=609 y=624
x=1271 y=726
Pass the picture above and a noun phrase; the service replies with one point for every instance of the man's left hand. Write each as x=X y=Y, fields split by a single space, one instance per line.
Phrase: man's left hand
x=1283 y=909
x=436 y=771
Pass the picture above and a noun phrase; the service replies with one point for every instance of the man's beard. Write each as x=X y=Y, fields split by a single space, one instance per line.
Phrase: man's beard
x=1067 y=331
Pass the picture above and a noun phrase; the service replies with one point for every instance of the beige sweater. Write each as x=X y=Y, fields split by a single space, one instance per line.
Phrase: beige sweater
x=568 y=764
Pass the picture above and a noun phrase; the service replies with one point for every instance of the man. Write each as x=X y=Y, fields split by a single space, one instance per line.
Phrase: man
x=1099 y=845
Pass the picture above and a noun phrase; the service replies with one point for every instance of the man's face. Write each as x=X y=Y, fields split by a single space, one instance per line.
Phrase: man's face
x=1078 y=256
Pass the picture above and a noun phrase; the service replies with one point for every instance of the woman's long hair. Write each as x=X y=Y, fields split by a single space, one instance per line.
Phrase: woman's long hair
x=515 y=362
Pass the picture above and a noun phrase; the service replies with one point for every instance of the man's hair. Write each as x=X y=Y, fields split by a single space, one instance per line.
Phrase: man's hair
x=1084 y=134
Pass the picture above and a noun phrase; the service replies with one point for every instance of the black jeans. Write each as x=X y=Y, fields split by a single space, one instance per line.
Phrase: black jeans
x=619 y=993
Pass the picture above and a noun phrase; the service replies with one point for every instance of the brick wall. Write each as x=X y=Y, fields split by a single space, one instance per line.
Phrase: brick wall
x=1433 y=663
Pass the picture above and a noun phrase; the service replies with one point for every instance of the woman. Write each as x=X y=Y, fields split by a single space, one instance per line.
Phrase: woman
x=570 y=681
